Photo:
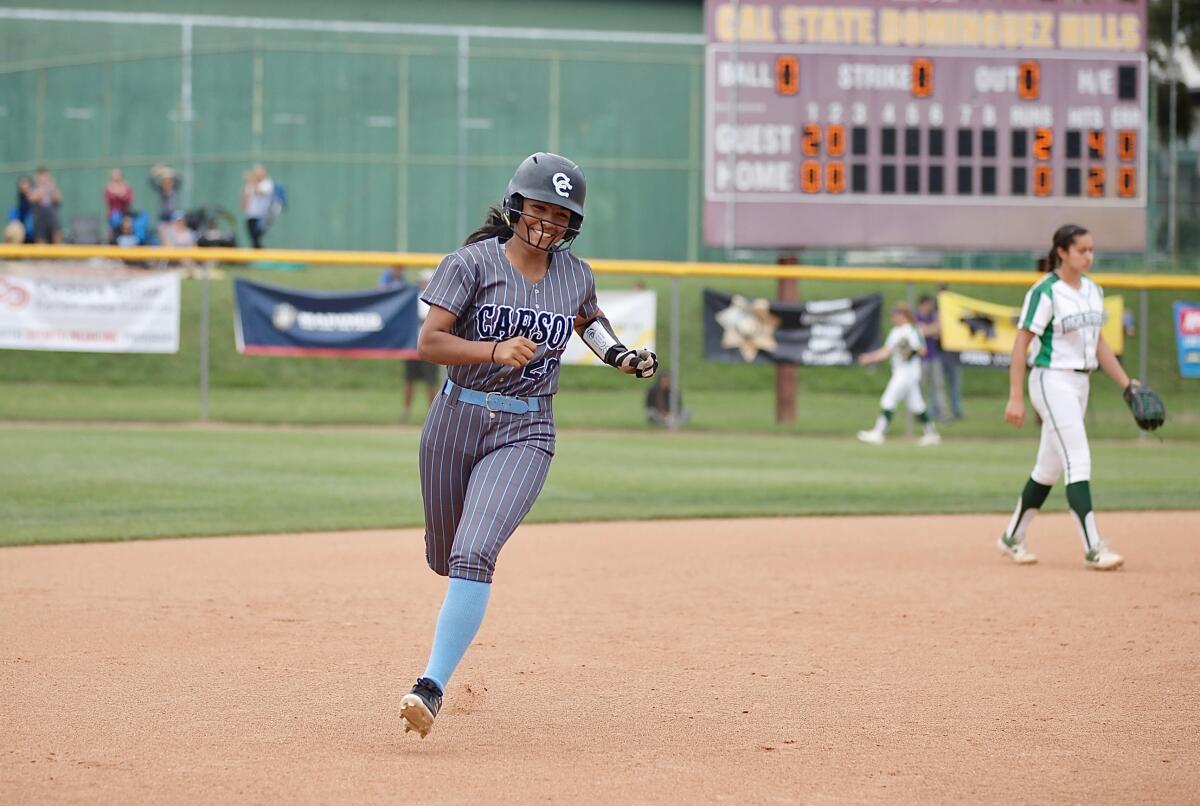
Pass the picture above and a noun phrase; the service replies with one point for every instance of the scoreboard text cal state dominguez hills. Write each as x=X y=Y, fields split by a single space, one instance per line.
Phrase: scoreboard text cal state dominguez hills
x=940 y=123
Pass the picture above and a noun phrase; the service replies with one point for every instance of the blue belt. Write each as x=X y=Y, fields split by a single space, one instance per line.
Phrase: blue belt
x=492 y=401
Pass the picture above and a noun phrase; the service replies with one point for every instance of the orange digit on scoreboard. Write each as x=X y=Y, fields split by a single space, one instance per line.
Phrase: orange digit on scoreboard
x=1043 y=180
x=787 y=75
x=811 y=143
x=1095 y=181
x=922 y=78
x=835 y=139
x=1029 y=80
x=835 y=177
x=810 y=176
x=1127 y=144
x=1126 y=181
x=1043 y=141
x=1096 y=143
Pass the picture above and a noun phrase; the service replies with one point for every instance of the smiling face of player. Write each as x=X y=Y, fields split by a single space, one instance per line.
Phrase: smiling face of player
x=541 y=224
x=1077 y=258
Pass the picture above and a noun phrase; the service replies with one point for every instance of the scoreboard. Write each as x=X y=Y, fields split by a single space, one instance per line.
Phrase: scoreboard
x=978 y=124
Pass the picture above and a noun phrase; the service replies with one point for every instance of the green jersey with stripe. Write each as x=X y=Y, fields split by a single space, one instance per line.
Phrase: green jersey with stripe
x=1065 y=321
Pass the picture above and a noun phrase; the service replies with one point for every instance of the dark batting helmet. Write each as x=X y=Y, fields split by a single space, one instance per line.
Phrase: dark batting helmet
x=551 y=179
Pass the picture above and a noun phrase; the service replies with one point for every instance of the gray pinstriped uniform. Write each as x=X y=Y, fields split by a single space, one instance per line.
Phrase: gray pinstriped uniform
x=481 y=471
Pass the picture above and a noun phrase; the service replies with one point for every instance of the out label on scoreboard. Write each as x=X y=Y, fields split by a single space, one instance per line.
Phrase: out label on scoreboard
x=917 y=122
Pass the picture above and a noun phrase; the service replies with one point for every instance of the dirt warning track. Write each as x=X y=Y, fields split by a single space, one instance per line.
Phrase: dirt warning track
x=813 y=660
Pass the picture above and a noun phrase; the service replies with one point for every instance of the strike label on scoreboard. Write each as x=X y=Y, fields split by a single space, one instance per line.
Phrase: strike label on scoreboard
x=937 y=123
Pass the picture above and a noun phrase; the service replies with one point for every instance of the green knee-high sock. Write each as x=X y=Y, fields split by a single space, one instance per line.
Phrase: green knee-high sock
x=881 y=422
x=1028 y=505
x=1079 y=496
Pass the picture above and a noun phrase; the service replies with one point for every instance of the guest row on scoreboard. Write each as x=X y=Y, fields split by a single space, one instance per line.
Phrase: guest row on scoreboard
x=837 y=140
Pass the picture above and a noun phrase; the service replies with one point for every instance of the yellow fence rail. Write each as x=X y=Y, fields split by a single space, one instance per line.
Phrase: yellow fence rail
x=317 y=257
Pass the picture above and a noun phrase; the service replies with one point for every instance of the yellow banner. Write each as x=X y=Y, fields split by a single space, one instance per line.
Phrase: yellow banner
x=970 y=324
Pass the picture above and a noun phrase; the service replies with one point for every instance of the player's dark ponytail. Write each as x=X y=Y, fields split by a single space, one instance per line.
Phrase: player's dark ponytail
x=494 y=225
x=1064 y=236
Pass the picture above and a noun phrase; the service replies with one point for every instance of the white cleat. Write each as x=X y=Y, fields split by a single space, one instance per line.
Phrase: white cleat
x=932 y=438
x=870 y=437
x=1103 y=559
x=1016 y=551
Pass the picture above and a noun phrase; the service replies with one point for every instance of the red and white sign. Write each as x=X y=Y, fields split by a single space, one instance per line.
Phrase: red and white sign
x=90 y=313
x=1189 y=321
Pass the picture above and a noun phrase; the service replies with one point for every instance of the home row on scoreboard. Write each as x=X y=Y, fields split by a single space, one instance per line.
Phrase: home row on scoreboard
x=837 y=177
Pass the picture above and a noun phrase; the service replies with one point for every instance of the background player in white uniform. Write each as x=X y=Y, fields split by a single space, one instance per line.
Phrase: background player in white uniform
x=1062 y=319
x=502 y=308
x=904 y=345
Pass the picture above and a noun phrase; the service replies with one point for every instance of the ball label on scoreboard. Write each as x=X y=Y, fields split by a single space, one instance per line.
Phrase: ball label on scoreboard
x=968 y=124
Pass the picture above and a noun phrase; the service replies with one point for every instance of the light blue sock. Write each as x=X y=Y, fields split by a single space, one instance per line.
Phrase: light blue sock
x=462 y=613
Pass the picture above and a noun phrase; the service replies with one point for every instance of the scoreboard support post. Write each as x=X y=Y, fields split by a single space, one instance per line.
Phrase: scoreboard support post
x=785 y=373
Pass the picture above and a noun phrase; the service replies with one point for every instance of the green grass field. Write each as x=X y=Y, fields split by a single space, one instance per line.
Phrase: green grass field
x=66 y=483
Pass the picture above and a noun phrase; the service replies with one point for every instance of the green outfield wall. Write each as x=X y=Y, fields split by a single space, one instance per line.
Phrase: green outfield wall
x=385 y=135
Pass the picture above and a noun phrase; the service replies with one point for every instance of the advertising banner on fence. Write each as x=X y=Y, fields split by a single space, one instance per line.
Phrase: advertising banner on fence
x=1187 y=338
x=828 y=332
x=983 y=332
x=270 y=320
x=633 y=315
x=90 y=312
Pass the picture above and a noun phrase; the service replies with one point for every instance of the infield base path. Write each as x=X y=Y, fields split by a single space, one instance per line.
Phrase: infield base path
x=813 y=660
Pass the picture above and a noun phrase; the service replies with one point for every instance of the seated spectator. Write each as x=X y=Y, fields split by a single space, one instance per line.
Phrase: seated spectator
x=14 y=232
x=175 y=233
x=658 y=403
x=124 y=234
x=118 y=196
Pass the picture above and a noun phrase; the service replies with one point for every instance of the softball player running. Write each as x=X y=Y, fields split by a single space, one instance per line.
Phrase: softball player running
x=905 y=346
x=502 y=308
x=1062 y=318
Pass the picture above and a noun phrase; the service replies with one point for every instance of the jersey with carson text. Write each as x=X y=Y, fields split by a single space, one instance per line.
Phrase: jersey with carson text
x=1066 y=322
x=494 y=302
x=904 y=341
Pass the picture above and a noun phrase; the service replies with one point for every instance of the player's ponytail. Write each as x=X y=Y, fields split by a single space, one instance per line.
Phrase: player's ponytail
x=494 y=225
x=1064 y=236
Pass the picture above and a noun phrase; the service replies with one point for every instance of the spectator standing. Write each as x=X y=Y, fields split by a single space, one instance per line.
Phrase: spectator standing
x=952 y=373
x=258 y=194
x=23 y=211
x=46 y=198
x=415 y=371
x=166 y=184
x=933 y=381
x=118 y=195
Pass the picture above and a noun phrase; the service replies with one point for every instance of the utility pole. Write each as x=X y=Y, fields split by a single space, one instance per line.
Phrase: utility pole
x=1173 y=75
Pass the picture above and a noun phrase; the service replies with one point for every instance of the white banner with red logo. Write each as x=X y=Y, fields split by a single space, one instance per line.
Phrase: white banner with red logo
x=90 y=312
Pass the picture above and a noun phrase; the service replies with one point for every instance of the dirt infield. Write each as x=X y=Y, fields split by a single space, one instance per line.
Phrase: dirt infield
x=809 y=660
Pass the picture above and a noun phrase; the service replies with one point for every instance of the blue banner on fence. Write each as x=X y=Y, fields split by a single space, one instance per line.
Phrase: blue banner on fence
x=1187 y=338
x=270 y=320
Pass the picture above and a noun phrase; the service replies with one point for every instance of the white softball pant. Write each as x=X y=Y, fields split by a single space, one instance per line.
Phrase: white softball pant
x=1060 y=397
x=905 y=385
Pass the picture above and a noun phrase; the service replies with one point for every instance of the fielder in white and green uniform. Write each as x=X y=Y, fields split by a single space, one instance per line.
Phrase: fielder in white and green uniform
x=1060 y=337
x=904 y=345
